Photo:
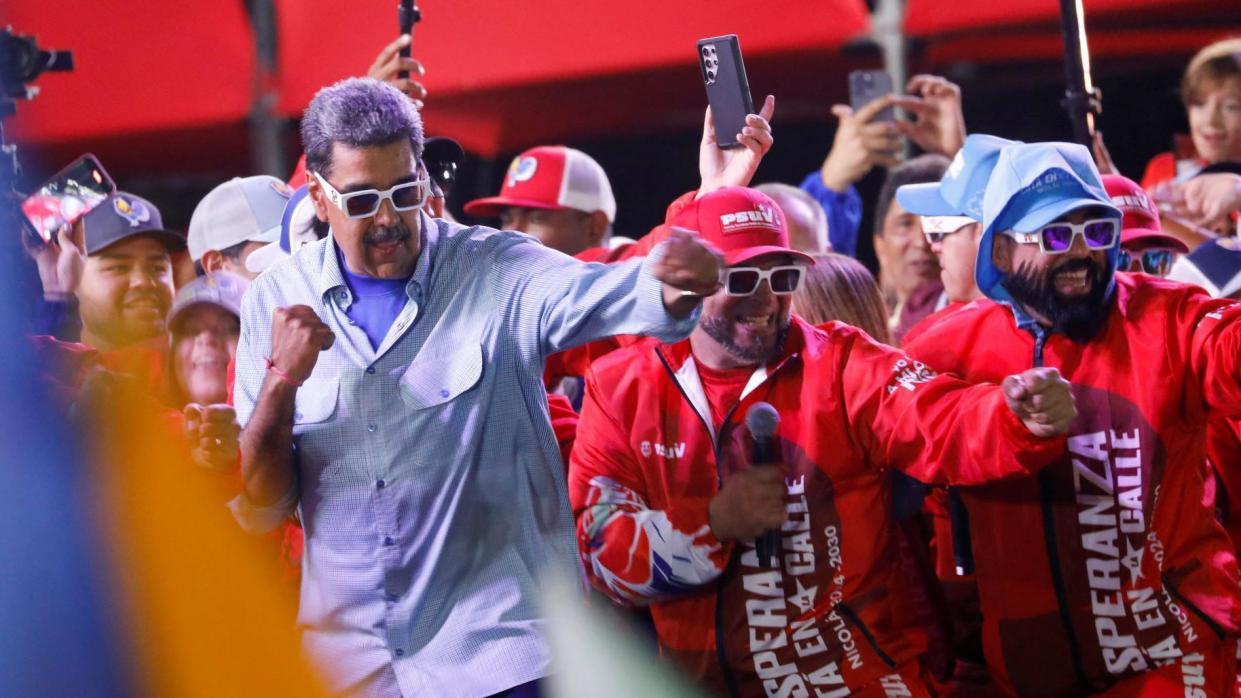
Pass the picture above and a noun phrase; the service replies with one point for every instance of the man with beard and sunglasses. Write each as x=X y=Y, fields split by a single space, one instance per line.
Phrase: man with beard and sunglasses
x=663 y=424
x=1107 y=573
x=389 y=377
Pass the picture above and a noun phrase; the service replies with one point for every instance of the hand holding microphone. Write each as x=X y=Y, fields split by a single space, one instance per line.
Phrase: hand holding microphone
x=751 y=502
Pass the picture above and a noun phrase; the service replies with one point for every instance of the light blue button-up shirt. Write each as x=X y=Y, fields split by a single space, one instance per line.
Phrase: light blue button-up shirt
x=430 y=486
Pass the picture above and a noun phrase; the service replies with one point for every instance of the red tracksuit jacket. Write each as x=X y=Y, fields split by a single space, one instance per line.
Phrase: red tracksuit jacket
x=833 y=617
x=1110 y=563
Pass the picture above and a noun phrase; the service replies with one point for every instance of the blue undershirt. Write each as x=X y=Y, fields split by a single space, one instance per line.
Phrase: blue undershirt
x=376 y=302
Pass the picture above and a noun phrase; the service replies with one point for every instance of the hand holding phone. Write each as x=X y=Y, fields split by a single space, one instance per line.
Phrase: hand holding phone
x=67 y=196
x=734 y=167
x=866 y=86
x=394 y=65
x=407 y=15
x=862 y=142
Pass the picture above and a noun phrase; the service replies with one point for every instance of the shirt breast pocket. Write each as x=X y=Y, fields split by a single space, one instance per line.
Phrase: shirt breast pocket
x=439 y=378
x=315 y=403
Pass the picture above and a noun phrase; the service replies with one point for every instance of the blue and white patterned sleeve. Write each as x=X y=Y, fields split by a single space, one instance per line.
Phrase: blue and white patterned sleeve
x=572 y=303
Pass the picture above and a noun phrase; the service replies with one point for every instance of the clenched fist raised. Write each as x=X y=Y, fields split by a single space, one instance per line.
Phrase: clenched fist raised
x=1042 y=400
x=297 y=337
x=213 y=435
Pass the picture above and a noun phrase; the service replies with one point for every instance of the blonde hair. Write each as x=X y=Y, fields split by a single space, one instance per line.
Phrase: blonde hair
x=1210 y=67
x=839 y=288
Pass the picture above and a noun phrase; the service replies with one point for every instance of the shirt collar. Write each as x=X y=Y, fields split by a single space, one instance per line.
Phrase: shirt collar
x=331 y=277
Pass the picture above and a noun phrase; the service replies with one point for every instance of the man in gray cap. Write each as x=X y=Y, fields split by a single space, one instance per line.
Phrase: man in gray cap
x=235 y=219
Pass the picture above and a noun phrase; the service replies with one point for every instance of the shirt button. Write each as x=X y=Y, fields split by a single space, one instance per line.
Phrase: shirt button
x=370 y=369
x=388 y=540
x=380 y=484
x=444 y=393
x=399 y=652
x=371 y=428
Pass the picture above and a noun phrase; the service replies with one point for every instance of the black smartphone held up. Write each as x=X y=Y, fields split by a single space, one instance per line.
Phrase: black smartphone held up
x=407 y=15
x=67 y=196
x=728 y=91
x=865 y=86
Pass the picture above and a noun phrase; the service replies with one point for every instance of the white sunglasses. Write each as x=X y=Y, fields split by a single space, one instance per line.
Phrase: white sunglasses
x=744 y=281
x=1057 y=238
x=406 y=196
x=936 y=228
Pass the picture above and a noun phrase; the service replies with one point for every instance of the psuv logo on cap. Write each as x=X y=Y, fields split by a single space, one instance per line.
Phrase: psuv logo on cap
x=1131 y=200
x=759 y=216
x=131 y=210
x=521 y=170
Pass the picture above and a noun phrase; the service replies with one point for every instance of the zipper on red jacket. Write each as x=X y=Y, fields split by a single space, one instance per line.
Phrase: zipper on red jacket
x=716 y=445
x=1049 y=537
x=720 y=651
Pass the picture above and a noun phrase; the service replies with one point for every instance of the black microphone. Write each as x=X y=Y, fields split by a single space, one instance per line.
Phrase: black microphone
x=763 y=421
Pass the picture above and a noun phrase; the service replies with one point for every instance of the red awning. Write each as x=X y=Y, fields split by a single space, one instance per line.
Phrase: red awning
x=504 y=75
x=989 y=31
x=140 y=67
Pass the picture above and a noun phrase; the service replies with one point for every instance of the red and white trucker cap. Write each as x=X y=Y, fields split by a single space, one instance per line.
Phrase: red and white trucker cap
x=553 y=177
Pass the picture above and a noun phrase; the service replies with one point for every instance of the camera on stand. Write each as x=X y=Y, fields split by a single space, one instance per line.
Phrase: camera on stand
x=21 y=63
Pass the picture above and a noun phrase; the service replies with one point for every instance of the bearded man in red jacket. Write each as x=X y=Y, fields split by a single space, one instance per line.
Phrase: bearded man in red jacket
x=1107 y=572
x=668 y=503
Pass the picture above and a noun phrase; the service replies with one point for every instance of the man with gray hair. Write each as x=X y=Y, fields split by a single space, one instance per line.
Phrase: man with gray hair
x=389 y=377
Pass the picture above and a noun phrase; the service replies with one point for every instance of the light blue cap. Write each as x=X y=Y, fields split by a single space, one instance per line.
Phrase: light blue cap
x=960 y=191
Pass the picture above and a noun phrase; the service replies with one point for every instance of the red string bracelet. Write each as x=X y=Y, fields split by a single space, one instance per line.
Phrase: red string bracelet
x=281 y=374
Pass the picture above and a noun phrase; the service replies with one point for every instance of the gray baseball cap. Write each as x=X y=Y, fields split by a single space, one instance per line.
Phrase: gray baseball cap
x=220 y=289
x=242 y=209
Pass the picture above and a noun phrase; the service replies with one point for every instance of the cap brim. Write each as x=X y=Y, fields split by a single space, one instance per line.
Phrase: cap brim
x=925 y=200
x=262 y=258
x=177 y=311
x=173 y=240
x=270 y=235
x=1040 y=216
x=735 y=257
x=1145 y=237
x=492 y=205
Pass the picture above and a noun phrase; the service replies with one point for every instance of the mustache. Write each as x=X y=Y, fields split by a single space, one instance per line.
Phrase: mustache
x=1077 y=265
x=390 y=234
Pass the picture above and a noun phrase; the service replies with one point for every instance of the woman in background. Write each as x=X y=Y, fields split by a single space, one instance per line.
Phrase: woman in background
x=840 y=288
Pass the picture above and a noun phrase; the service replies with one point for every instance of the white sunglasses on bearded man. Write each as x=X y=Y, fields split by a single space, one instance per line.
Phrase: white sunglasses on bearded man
x=406 y=196
x=744 y=281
